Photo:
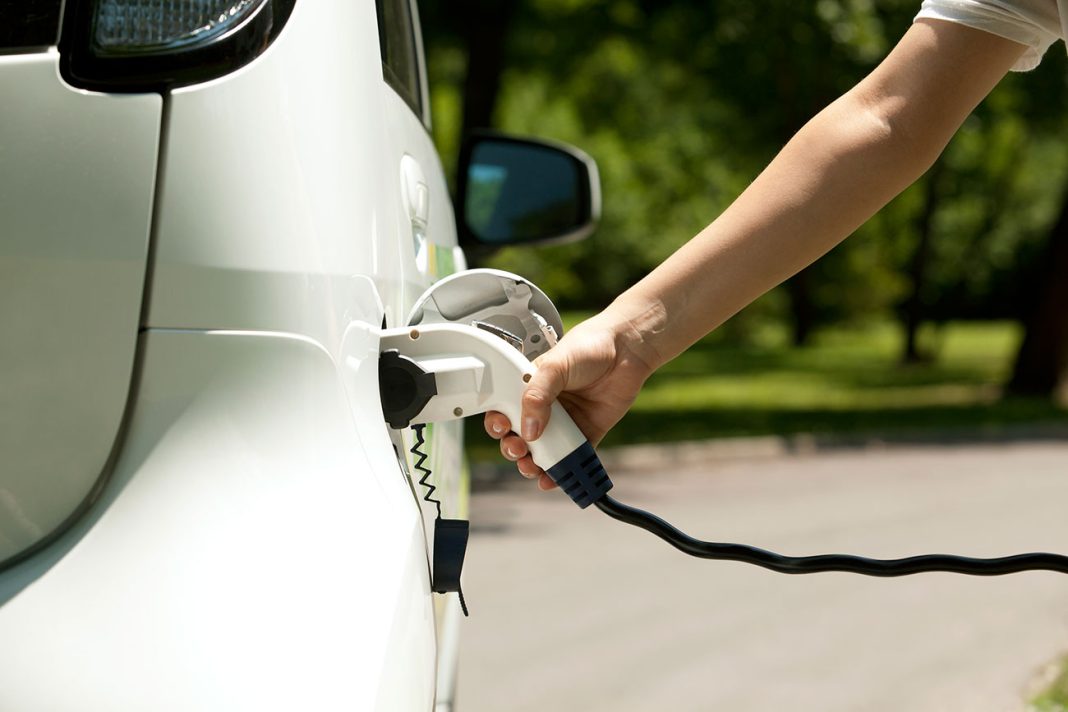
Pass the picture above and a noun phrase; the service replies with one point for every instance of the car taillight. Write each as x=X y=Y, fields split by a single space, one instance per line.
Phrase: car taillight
x=138 y=45
x=154 y=26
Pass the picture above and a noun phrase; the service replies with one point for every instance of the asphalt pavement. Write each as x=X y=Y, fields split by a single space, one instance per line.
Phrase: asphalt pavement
x=573 y=611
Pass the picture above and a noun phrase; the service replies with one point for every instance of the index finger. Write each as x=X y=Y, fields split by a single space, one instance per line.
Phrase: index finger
x=497 y=424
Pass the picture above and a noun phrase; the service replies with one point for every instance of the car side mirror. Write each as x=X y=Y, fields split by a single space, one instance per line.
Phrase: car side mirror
x=514 y=191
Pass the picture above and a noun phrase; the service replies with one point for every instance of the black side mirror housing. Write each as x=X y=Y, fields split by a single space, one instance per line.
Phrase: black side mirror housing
x=518 y=191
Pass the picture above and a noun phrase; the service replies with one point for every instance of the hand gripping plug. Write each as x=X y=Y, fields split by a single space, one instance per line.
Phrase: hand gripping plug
x=446 y=371
x=468 y=349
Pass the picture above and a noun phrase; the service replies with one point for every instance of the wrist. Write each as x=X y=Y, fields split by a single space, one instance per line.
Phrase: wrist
x=637 y=324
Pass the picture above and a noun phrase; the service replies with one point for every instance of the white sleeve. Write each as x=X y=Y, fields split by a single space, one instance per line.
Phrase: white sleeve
x=1035 y=23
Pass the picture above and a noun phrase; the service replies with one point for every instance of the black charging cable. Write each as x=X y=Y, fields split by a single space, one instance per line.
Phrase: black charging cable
x=582 y=477
x=830 y=562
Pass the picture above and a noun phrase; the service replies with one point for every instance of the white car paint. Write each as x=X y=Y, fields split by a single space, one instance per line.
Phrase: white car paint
x=256 y=545
x=74 y=223
x=251 y=551
x=313 y=197
x=310 y=194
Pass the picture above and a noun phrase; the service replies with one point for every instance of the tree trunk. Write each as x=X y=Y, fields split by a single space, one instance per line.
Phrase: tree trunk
x=485 y=33
x=1041 y=366
x=802 y=311
x=799 y=95
x=913 y=308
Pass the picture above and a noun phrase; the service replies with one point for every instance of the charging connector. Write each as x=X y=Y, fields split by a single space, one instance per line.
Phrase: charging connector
x=446 y=371
x=468 y=371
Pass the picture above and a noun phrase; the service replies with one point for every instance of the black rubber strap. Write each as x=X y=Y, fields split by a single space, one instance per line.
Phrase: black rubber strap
x=450 y=545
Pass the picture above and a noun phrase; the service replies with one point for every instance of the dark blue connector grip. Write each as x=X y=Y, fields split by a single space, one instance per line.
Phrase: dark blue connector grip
x=581 y=476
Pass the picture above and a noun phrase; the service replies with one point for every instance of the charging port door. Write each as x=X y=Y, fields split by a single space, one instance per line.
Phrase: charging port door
x=501 y=303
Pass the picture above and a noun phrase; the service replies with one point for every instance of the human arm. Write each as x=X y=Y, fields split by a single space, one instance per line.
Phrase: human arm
x=838 y=170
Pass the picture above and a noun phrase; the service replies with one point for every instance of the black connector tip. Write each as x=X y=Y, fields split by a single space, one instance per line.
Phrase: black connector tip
x=405 y=388
x=581 y=476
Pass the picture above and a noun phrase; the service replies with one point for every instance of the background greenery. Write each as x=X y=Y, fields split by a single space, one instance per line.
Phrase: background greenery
x=848 y=381
x=1055 y=697
x=951 y=292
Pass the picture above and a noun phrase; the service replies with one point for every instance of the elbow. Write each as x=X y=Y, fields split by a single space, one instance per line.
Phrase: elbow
x=901 y=130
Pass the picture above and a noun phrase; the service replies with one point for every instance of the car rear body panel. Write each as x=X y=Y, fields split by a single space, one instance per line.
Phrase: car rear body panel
x=277 y=186
x=256 y=544
x=77 y=178
x=250 y=551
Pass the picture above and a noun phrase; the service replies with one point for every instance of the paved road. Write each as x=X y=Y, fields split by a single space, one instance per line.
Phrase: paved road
x=573 y=611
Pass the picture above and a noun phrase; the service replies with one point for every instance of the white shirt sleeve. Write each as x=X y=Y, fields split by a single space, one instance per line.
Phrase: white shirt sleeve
x=1035 y=23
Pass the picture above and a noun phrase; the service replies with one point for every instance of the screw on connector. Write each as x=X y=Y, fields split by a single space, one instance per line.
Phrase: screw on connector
x=457 y=412
x=526 y=378
x=413 y=334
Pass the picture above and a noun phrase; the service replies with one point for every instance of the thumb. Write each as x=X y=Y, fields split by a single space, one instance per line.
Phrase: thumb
x=547 y=383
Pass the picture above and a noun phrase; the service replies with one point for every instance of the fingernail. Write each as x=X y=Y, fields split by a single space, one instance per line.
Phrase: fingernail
x=497 y=429
x=511 y=453
x=531 y=429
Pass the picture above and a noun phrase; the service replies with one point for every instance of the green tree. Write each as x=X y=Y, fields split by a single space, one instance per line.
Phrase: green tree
x=683 y=102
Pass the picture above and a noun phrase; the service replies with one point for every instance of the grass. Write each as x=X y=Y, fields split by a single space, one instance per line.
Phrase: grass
x=1055 y=697
x=849 y=380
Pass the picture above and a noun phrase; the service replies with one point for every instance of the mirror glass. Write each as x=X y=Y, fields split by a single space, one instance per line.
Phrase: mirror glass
x=520 y=192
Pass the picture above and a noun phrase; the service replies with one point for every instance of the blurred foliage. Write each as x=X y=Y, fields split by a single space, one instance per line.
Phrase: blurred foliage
x=682 y=103
x=1055 y=697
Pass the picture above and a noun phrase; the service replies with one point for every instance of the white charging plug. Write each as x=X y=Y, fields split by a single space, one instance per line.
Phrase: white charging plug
x=475 y=371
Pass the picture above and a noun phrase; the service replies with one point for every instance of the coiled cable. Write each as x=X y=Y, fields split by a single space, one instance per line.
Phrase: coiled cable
x=424 y=471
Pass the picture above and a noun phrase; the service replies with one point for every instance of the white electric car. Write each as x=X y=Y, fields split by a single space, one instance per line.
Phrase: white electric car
x=208 y=209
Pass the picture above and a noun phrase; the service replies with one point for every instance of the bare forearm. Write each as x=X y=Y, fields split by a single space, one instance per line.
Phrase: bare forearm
x=834 y=174
x=841 y=168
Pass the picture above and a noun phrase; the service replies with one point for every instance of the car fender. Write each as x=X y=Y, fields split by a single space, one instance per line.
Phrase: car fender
x=250 y=551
